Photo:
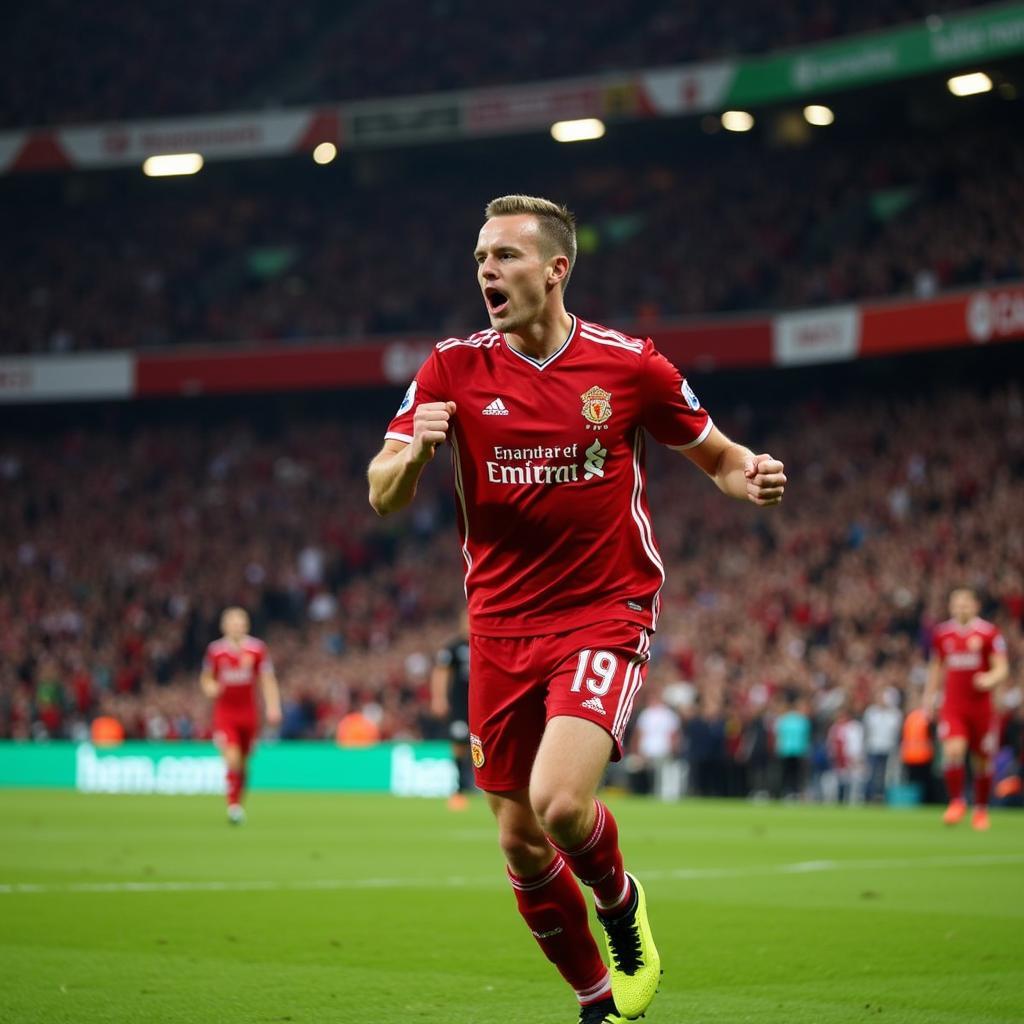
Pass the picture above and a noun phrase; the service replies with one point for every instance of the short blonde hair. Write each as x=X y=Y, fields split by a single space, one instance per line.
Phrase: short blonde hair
x=557 y=224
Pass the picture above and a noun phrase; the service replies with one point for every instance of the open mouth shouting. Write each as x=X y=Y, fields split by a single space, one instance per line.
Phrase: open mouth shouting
x=497 y=300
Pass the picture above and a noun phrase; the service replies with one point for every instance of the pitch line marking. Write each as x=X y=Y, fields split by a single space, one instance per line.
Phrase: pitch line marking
x=805 y=867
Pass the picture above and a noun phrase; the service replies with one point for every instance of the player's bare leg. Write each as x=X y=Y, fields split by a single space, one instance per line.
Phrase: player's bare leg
x=567 y=772
x=954 y=754
x=550 y=901
x=982 y=769
x=234 y=762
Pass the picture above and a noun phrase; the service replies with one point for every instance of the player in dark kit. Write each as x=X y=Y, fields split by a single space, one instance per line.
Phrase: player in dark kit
x=232 y=667
x=547 y=417
x=973 y=654
x=449 y=700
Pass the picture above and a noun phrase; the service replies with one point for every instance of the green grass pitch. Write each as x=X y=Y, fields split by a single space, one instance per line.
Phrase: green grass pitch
x=350 y=909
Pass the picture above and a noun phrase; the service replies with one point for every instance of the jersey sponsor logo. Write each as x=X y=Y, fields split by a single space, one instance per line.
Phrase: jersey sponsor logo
x=410 y=397
x=634 y=606
x=963 y=660
x=594 y=466
x=597 y=405
x=691 y=399
x=496 y=408
x=519 y=466
x=236 y=676
x=594 y=704
x=476 y=750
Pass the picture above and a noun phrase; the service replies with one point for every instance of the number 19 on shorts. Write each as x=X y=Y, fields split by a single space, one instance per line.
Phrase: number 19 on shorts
x=597 y=670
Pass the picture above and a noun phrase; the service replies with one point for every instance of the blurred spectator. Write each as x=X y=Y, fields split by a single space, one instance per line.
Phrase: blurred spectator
x=882 y=726
x=793 y=747
x=846 y=758
x=656 y=742
x=917 y=751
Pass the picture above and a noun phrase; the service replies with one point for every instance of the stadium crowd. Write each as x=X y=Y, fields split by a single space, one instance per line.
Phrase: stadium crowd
x=275 y=260
x=161 y=59
x=118 y=548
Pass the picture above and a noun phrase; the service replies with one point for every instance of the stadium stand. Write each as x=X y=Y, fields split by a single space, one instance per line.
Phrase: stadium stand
x=718 y=227
x=105 y=615
x=163 y=59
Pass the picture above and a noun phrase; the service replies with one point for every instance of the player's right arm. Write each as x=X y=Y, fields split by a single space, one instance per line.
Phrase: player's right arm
x=930 y=697
x=208 y=681
x=395 y=470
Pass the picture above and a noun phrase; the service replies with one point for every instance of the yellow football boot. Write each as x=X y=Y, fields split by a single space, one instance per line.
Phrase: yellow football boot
x=633 y=959
x=603 y=1012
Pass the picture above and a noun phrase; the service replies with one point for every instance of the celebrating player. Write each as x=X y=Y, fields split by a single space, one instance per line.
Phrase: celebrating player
x=974 y=655
x=449 y=700
x=230 y=670
x=546 y=415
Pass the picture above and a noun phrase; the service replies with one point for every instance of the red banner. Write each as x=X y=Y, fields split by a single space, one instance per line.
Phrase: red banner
x=806 y=337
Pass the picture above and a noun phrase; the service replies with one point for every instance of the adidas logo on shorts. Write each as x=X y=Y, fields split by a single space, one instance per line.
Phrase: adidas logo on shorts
x=496 y=408
x=594 y=704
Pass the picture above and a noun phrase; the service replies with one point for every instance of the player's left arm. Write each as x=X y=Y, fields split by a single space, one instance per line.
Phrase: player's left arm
x=737 y=471
x=271 y=694
x=998 y=671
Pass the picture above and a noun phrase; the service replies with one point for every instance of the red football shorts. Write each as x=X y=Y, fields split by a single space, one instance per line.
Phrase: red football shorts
x=978 y=725
x=230 y=730
x=518 y=683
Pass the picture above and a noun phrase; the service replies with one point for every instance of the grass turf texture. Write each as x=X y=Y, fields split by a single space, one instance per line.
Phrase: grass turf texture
x=378 y=909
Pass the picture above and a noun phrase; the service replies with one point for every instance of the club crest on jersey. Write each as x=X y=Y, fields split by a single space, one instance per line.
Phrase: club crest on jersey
x=476 y=749
x=975 y=643
x=597 y=405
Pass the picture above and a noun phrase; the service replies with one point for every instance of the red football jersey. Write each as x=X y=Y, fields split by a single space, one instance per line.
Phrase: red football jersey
x=548 y=461
x=237 y=669
x=965 y=651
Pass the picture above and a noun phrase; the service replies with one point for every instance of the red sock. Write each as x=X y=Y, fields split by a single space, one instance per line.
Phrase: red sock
x=556 y=913
x=954 y=775
x=234 y=787
x=982 y=788
x=598 y=863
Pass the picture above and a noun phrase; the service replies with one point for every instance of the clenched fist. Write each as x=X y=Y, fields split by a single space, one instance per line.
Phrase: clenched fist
x=766 y=480
x=430 y=425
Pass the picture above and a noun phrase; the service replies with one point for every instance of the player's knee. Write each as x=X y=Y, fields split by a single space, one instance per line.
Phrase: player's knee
x=525 y=851
x=562 y=815
x=954 y=754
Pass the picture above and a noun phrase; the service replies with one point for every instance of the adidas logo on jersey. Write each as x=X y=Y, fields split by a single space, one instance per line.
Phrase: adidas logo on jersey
x=594 y=704
x=496 y=408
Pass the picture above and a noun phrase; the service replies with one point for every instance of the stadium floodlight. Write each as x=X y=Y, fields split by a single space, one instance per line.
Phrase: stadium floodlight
x=737 y=121
x=970 y=84
x=325 y=153
x=172 y=163
x=818 y=115
x=577 y=131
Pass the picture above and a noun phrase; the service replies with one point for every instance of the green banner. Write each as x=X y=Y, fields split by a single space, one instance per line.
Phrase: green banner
x=405 y=769
x=942 y=42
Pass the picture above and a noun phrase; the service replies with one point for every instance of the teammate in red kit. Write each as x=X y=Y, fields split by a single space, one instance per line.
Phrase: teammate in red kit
x=231 y=668
x=973 y=653
x=546 y=415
